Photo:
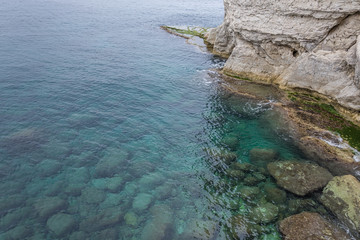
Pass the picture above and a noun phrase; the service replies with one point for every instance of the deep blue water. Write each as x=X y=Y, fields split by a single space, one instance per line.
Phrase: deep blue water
x=109 y=126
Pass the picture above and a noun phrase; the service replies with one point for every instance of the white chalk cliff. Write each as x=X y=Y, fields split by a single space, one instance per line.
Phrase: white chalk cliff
x=309 y=44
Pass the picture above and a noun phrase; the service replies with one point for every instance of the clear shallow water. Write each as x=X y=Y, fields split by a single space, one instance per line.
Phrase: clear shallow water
x=111 y=128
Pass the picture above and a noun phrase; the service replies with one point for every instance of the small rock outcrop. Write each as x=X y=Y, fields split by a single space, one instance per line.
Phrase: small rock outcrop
x=342 y=197
x=309 y=225
x=295 y=44
x=298 y=177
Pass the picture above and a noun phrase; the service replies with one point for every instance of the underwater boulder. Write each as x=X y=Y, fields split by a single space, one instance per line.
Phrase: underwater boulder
x=111 y=164
x=61 y=224
x=264 y=212
x=274 y=194
x=105 y=219
x=92 y=195
x=140 y=168
x=160 y=226
x=131 y=219
x=200 y=229
x=308 y=225
x=231 y=142
x=142 y=201
x=237 y=174
x=46 y=207
x=299 y=177
x=18 y=232
x=262 y=156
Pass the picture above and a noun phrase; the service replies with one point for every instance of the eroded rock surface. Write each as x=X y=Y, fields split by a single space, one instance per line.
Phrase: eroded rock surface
x=306 y=44
x=298 y=177
x=342 y=197
x=309 y=225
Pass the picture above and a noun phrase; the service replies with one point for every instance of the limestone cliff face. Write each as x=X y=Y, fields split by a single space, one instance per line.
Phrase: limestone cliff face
x=311 y=44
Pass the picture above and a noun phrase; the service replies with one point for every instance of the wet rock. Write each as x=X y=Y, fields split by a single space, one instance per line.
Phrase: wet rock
x=339 y=161
x=309 y=225
x=105 y=219
x=274 y=194
x=142 y=201
x=111 y=164
x=160 y=225
x=46 y=207
x=299 y=178
x=19 y=232
x=263 y=156
x=48 y=168
x=113 y=184
x=264 y=213
x=297 y=205
x=200 y=229
x=342 y=197
x=61 y=224
x=92 y=195
x=131 y=219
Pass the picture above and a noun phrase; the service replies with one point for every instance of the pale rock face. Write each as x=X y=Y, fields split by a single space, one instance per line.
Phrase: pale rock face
x=309 y=44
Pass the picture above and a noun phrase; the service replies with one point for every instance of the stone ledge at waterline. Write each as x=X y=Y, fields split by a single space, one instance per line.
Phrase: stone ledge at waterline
x=312 y=45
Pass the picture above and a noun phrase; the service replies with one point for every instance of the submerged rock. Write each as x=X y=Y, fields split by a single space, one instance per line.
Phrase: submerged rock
x=61 y=224
x=142 y=201
x=342 y=197
x=220 y=160
x=112 y=163
x=131 y=219
x=92 y=195
x=160 y=226
x=246 y=167
x=264 y=213
x=309 y=225
x=105 y=219
x=19 y=232
x=299 y=178
x=263 y=156
x=274 y=194
x=45 y=207
x=200 y=229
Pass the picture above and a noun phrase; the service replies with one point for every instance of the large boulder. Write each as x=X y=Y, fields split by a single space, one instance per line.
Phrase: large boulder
x=307 y=225
x=299 y=177
x=342 y=197
x=45 y=207
x=112 y=163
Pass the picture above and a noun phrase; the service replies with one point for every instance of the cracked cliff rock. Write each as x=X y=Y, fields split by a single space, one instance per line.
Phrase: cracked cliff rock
x=306 y=44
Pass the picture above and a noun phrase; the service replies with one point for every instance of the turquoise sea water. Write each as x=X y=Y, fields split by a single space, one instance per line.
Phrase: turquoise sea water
x=111 y=128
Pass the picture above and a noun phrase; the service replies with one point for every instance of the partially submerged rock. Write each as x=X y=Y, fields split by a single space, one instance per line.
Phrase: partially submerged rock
x=309 y=225
x=298 y=177
x=339 y=161
x=342 y=197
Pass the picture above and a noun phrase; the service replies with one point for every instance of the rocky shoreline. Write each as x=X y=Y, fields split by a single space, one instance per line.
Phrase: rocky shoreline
x=332 y=176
